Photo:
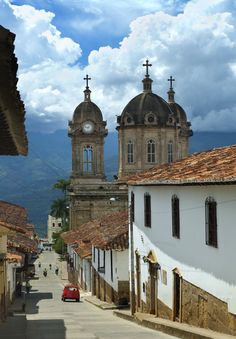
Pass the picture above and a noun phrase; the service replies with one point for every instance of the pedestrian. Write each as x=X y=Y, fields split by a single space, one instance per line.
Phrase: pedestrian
x=45 y=272
x=39 y=264
x=18 y=288
x=50 y=266
x=27 y=286
x=56 y=270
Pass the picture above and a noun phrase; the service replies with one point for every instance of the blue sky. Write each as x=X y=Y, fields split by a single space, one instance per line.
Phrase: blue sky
x=59 y=42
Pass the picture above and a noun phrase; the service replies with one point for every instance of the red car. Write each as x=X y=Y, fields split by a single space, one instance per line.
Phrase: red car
x=71 y=291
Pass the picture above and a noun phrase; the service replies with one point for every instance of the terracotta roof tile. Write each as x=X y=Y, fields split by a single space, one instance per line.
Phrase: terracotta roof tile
x=214 y=166
x=108 y=232
x=12 y=227
x=22 y=241
x=13 y=214
x=15 y=257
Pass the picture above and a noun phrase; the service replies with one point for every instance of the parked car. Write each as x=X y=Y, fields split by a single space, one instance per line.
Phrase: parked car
x=71 y=291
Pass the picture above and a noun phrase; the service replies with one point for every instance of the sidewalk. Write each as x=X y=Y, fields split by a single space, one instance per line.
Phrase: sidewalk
x=179 y=330
x=15 y=325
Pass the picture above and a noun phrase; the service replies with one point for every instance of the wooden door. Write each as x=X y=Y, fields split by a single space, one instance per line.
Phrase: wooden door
x=177 y=297
x=138 y=280
x=153 y=288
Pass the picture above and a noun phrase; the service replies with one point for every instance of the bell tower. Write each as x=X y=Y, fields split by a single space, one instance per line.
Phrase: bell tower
x=91 y=196
x=87 y=131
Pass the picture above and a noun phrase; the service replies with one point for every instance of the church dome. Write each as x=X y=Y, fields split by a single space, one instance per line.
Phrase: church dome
x=146 y=106
x=179 y=113
x=87 y=110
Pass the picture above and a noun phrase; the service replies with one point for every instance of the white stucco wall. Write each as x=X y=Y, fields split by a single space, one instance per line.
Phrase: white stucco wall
x=207 y=267
x=120 y=266
x=11 y=277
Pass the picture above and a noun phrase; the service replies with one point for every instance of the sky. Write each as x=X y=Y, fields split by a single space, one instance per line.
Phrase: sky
x=59 y=42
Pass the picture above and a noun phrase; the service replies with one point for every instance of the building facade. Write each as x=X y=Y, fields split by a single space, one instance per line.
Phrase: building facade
x=151 y=131
x=54 y=226
x=183 y=240
x=91 y=196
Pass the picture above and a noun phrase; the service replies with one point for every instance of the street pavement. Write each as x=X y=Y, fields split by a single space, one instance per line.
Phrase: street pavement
x=47 y=317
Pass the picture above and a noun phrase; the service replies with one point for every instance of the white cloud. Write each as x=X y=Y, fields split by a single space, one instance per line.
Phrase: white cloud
x=197 y=47
x=37 y=39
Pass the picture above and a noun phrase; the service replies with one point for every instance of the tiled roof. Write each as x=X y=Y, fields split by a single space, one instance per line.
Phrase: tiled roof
x=113 y=232
x=108 y=232
x=11 y=227
x=210 y=167
x=84 y=249
x=13 y=139
x=22 y=242
x=13 y=214
x=15 y=257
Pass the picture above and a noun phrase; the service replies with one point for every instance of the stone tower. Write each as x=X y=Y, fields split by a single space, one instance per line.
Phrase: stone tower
x=87 y=131
x=91 y=196
x=151 y=130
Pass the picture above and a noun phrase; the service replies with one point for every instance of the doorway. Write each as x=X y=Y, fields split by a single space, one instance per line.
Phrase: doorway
x=138 y=280
x=153 y=288
x=177 y=297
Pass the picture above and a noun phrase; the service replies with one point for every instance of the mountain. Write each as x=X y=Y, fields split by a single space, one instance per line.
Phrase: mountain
x=28 y=181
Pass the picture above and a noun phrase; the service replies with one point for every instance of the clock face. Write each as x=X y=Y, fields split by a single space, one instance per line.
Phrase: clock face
x=88 y=127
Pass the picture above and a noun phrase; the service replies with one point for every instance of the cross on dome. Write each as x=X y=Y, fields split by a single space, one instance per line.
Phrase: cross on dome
x=87 y=79
x=147 y=65
x=171 y=81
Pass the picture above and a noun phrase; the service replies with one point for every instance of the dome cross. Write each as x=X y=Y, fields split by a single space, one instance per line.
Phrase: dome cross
x=147 y=65
x=87 y=79
x=171 y=82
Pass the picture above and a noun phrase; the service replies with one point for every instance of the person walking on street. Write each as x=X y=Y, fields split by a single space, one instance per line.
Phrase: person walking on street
x=45 y=272
x=27 y=286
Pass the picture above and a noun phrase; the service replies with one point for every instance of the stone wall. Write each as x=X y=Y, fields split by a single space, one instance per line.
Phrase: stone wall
x=200 y=308
x=105 y=292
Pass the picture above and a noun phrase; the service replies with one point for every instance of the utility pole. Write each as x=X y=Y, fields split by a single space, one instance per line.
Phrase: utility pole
x=131 y=236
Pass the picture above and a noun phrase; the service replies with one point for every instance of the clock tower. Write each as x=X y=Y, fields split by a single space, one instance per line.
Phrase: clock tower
x=91 y=196
x=87 y=131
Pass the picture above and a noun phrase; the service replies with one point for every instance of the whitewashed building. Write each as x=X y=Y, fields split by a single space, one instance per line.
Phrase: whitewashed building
x=98 y=257
x=54 y=226
x=110 y=259
x=183 y=234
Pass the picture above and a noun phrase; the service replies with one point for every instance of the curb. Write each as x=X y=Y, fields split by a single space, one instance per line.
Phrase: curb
x=102 y=306
x=173 y=329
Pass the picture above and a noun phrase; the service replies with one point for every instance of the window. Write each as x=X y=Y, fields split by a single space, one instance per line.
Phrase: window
x=111 y=255
x=53 y=224
x=130 y=152
x=147 y=210
x=59 y=224
x=94 y=254
x=170 y=152
x=101 y=261
x=175 y=217
x=151 y=151
x=132 y=207
x=88 y=159
x=211 y=222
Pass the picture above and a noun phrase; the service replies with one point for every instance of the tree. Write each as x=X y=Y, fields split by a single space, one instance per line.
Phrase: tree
x=60 y=209
x=62 y=184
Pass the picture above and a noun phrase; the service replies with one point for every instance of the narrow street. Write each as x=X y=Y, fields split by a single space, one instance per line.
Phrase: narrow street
x=50 y=318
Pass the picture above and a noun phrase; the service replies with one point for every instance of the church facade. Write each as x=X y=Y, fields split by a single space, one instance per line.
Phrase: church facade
x=91 y=196
x=151 y=131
